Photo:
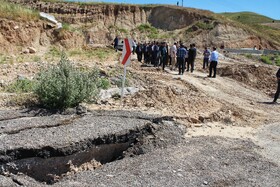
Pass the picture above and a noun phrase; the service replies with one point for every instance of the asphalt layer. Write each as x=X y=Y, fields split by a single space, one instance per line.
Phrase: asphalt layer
x=158 y=154
x=196 y=162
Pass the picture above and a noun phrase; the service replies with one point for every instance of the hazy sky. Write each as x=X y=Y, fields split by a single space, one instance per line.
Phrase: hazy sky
x=270 y=8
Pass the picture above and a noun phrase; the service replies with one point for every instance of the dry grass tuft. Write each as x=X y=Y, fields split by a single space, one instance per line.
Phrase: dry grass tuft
x=16 y=12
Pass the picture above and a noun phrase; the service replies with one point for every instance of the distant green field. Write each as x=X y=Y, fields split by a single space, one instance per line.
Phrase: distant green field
x=248 y=17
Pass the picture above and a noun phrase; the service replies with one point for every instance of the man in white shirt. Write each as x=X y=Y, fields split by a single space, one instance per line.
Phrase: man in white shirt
x=213 y=62
x=173 y=51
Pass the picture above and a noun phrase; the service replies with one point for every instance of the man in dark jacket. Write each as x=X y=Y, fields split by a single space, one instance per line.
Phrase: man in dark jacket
x=278 y=87
x=116 y=43
x=163 y=55
x=191 y=57
x=139 y=51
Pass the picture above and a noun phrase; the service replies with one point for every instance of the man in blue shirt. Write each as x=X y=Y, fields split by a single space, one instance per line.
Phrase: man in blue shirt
x=181 y=55
x=206 y=55
x=213 y=62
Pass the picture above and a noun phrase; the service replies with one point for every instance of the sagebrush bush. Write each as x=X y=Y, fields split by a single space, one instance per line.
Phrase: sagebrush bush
x=61 y=86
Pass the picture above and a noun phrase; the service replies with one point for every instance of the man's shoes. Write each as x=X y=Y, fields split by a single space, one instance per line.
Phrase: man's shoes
x=209 y=76
x=214 y=77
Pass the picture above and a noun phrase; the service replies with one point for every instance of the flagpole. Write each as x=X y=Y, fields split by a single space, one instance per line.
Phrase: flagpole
x=125 y=61
x=123 y=84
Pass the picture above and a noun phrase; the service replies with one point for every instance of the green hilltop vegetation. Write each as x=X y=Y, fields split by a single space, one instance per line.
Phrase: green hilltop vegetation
x=248 y=17
x=262 y=26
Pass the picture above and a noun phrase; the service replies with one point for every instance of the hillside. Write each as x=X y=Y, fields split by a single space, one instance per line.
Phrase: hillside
x=168 y=129
x=99 y=23
x=248 y=17
x=263 y=26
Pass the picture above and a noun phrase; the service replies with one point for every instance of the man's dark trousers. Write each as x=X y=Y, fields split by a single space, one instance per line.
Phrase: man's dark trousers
x=190 y=62
x=277 y=92
x=181 y=64
x=213 y=65
x=205 y=62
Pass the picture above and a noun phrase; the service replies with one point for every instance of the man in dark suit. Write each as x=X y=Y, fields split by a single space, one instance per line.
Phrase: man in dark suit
x=191 y=57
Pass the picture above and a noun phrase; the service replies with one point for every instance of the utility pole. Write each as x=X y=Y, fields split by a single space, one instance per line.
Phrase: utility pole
x=182 y=3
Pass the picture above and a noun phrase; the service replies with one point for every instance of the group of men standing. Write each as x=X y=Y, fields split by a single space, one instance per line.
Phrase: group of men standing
x=177 y=56
x=159 y=54
x=154 y=53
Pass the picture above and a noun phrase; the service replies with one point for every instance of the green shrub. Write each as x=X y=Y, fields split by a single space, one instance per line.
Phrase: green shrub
x=37 y=59
x=20 y=86
x=250 y=56
x=122 y=30
x=118 y=82
x=100 y=53
x=205 y=26
x=61 y=86
x=266 y=59
x=104 y=83
x=277 y=61
x=151 y=31
x=146 y=27
x=54 y=52
x=66 y=26
x=3 y=59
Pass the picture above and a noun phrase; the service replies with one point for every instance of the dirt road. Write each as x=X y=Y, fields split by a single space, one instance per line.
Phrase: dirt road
x=219 y=106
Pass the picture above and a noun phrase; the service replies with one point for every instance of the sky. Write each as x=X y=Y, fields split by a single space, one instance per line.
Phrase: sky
x=270 y=8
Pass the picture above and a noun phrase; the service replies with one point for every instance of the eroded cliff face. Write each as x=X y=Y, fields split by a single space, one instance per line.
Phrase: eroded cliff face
x=172 y=18
x=20 y=34
x=125 y=16
x=230 y=37
x=100 y=23
x=17 y=36
x=234 y=37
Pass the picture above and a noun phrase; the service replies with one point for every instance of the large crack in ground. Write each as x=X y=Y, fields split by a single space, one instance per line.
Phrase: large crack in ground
x=50 y=170
x=49 y=164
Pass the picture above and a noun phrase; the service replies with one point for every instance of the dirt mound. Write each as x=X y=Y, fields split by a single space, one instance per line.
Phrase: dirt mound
x=259 y=77
x=171 y=96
